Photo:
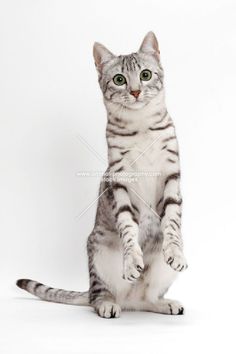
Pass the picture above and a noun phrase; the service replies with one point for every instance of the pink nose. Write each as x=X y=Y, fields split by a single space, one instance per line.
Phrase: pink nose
x=135 y=93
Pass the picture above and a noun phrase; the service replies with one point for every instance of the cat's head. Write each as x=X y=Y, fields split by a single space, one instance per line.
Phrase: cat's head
x=132 y=80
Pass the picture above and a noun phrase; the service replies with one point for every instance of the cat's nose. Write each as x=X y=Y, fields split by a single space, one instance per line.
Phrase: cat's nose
x=135 y=93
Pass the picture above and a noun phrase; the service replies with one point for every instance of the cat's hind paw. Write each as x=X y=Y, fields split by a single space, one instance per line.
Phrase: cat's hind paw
x=169 y=307
x=175 y=308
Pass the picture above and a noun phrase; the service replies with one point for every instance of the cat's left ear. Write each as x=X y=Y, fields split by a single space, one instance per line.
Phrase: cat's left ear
x=101 y=55
x=150 y=45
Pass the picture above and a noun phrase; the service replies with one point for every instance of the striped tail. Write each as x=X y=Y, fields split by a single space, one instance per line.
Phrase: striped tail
x=52 y=294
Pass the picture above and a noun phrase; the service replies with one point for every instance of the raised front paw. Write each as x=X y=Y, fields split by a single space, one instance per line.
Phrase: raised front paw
x=174 y=256
x=133 y=264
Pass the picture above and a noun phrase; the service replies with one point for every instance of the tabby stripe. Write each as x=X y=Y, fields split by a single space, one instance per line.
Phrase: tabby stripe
x=112 y=94
x=137 y=62
x=174 y=176
x=135 y=208
x=56 y=292
x=96 y=291
x=115 y=146
x=172 y=226
x=37 y=286
x=122 y=134
x=116 y=125
x=119 y=186
x=169 y=201
x=175 y=222
x=168 y=139
x=95 y=283
x=160 y=201
x=124 y=152
x=48 y=289
x=119 y=169
x=162 y=128
x=158 y=77
x=92 y=274
x=122 y=65
x=125 y=208
x=163 y=117
x=172 y=161
x=107 y=83
x=124 y=234
x=171 y=311
x=174 y=237
x=175 y=243
x=173 y=152
x=114 y=162
x=126 y=226
x=72 y=292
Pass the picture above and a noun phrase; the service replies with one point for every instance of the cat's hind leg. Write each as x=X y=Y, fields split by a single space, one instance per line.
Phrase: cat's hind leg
x=101 y=298
x=104 y=302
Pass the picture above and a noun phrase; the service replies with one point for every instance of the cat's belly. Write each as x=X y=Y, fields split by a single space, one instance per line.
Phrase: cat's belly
x=152 y=284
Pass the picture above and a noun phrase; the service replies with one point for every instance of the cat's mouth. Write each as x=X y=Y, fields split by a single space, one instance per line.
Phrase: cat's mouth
x=137 y=104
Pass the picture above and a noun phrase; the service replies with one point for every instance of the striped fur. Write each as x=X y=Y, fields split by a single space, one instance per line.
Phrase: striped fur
x=53 y=294
x=135 y=249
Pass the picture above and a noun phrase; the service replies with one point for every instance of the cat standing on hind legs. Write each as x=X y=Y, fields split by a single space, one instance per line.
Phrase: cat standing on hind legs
x=135 y=250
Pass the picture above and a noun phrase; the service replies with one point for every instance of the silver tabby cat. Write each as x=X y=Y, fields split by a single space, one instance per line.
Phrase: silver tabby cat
x=135 y=250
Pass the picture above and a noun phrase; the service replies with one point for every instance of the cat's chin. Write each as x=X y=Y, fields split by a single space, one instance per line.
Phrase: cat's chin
x=132 y=106
x=136 y=105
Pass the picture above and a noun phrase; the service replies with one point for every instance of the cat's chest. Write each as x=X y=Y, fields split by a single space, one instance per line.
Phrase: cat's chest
x=145 y=154
x=146 y=162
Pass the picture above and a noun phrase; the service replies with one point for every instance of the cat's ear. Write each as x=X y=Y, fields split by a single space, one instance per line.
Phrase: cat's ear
x=101 y=55
x=150 y=45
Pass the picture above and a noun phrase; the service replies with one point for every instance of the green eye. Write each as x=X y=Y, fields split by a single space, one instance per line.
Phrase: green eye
x=145 y=75
x=119 y=80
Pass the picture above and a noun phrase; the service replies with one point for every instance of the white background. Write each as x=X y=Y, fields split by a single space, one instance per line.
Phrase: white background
x=49 y=97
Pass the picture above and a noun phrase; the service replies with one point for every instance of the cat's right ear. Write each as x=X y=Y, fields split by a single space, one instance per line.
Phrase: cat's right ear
x=150 y=45
x=101 y=55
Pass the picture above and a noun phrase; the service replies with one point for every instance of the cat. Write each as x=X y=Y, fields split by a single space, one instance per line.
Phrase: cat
x=135 y=250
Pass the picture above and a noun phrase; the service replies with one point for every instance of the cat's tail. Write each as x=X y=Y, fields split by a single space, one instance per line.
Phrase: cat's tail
x=53 y=294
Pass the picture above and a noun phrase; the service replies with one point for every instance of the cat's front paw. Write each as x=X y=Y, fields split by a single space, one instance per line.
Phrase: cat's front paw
x=133 y=264
x=174 y=256
x=108 y=309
